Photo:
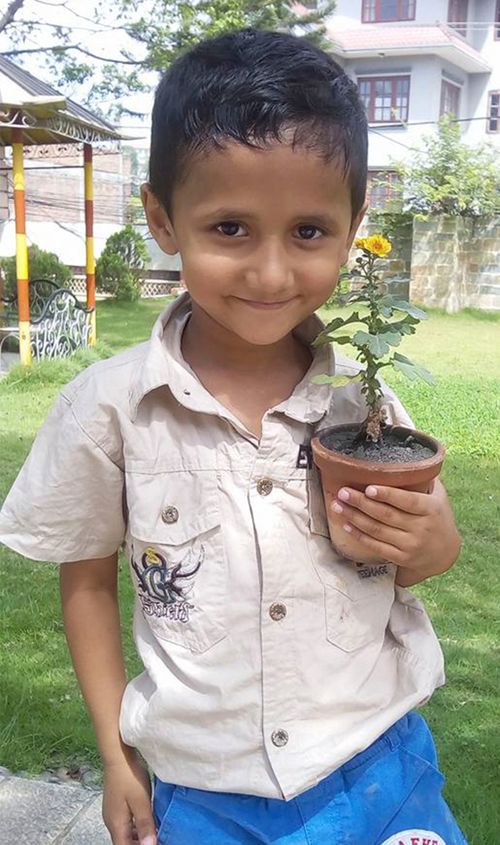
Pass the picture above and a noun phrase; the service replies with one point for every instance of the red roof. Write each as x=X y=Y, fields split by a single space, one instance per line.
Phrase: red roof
x=386 y=37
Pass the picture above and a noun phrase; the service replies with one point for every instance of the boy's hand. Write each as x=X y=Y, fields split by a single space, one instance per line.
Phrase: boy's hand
x=126 y=805
x=415 y=531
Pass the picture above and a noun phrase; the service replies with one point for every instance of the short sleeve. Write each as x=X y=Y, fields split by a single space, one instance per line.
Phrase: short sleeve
x=67 y=501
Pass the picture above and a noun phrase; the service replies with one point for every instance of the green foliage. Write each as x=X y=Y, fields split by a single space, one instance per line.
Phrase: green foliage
x=119 y=266
x=341 y=289
x=49 y=373
x=448 y=176
x=179 y=25
x=390 y=221
x=148 y=34
x=41 y=265
x=374 y=343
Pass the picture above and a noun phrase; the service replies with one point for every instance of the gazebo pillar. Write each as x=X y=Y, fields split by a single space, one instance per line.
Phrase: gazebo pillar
x=89 y=238
x=23 y=297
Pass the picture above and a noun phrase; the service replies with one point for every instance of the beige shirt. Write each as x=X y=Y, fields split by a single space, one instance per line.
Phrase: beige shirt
x=269 y=660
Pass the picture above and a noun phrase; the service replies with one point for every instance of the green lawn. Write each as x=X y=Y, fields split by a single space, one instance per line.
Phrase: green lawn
x=42 y=720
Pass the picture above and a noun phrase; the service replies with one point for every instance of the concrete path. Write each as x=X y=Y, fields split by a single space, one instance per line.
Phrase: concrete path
x=7 y=360
x=33 y=812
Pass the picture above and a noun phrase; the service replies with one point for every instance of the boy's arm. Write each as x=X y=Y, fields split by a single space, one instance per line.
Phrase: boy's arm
x=92 y=624
x=415 y=531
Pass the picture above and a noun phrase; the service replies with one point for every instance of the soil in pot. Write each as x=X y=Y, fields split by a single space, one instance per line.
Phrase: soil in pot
x=393 y=449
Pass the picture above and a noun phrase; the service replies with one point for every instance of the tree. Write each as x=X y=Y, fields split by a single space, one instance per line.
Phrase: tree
x=147 y=34
x=447 y=176
x=119 y=266
x=42 y=265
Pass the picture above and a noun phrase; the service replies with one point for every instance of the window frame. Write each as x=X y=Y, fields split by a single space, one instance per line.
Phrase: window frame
x=496 y=23
x=365 y=11
x=460 y=25
x=448 y=83
x=370 y=111
x=392 y=177
x=491 y=94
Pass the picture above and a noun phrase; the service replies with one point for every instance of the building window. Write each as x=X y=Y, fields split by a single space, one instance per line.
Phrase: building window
x=457 y=15
x=497 y=22
x=378 y=11
x=386 y=98
x=381 y=185
x=450 y=98
x=494 y=111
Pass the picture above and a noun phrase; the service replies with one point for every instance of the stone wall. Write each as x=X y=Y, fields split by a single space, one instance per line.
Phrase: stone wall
x=456 y=263
x=448 y=262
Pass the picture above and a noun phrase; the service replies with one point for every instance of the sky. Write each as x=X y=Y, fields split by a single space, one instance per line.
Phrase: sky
x=79 y=16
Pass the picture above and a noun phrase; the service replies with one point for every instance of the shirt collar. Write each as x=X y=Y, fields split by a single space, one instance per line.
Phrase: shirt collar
x=164 y=366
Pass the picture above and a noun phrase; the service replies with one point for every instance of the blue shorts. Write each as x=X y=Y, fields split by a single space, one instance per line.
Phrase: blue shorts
x=389 y=794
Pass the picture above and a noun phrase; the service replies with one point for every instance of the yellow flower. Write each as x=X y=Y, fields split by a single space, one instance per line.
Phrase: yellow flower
x=376 y=244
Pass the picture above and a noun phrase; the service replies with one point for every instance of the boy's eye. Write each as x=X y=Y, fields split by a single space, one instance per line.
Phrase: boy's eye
x=309 y=233
x=231 y=229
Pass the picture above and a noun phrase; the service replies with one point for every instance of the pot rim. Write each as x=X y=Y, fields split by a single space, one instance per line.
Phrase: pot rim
x=322 y=452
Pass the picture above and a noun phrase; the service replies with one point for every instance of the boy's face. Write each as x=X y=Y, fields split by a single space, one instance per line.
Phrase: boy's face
x=261 y=233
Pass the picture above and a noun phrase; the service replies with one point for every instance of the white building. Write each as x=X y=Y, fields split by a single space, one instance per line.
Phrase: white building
x=414 y=60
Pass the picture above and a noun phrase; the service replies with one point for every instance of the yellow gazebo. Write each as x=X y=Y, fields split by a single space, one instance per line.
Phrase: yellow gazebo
x=33 y=113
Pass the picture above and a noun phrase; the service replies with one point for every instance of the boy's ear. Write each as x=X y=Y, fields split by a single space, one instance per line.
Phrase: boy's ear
x=159 y=222
x=356 y=223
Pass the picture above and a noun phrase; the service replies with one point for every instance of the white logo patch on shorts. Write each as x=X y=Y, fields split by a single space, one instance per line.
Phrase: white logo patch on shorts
x=415 y=837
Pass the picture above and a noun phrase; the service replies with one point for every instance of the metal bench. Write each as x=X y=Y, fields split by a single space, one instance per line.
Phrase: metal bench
x=59 y=323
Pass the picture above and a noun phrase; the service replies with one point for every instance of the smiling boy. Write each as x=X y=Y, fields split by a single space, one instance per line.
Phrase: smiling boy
x=276 y=702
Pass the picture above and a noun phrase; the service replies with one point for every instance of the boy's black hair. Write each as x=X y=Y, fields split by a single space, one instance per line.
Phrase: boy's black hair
x=252 y=87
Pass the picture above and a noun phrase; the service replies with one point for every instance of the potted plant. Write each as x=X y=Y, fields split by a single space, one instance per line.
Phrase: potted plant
x=374 y=452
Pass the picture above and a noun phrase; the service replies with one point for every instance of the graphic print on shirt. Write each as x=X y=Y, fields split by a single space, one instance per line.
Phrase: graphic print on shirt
x=415 y=837
x=163 y=590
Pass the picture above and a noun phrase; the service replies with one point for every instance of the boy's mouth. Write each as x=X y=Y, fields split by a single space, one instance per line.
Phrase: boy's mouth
x=266 y=306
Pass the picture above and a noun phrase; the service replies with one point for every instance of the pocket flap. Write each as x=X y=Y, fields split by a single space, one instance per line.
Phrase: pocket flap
x=171 y=508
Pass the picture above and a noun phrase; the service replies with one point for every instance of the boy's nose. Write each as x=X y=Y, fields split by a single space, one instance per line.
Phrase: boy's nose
x=270 y=273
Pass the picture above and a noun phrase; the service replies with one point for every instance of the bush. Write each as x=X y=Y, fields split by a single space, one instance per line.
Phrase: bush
x=447 y=176
x=41 y=265
x=113 y=276
x=118 y=268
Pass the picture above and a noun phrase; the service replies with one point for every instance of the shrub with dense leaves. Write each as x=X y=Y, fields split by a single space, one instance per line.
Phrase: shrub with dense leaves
x=119 y=266
x=41 y=265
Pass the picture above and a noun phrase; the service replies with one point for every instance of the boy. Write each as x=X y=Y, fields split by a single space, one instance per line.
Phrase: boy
x=276 y=701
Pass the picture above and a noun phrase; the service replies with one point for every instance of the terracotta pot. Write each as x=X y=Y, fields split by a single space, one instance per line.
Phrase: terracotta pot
x=338 y=470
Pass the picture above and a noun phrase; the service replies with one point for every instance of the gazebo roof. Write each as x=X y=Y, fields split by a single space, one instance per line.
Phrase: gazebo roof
x=45 y=115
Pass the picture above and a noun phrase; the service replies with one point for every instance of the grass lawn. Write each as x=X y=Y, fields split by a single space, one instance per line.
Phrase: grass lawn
x=42 y=719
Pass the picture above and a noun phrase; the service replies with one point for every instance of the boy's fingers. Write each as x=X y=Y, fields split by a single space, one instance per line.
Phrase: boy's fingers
x=145 y=827
x=380 y=549
x=404 y=500
x=356 y=519
x=358 y=503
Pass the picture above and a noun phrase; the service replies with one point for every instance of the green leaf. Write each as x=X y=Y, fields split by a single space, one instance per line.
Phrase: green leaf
x=411 y=370
x=406 y=326
x=334 y=324
x=402 y=305
x=392 y=338
x=337 y=381
x=375 y=343
x=342 y=339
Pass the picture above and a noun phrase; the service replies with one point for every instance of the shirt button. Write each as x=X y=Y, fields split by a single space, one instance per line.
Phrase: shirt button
x=277 y=611
x=264 y=486
x=170 y=515
x=279 y=738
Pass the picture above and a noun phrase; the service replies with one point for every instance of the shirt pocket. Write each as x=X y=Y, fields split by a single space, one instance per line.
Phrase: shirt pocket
x=177 y=556
x=358 y=598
